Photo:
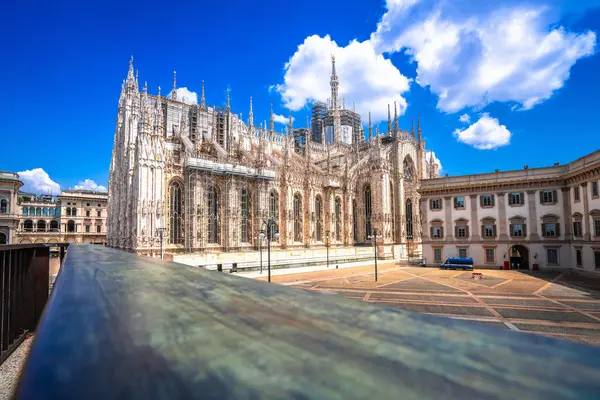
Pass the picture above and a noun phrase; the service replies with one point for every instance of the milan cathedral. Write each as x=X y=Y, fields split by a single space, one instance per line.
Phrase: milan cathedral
x=197 y=179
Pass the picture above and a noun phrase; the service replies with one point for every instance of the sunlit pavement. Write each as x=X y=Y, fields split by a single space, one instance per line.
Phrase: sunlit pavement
x=564 y=305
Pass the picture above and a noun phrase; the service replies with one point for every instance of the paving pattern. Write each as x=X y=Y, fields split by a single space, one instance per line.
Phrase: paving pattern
x=564 y=305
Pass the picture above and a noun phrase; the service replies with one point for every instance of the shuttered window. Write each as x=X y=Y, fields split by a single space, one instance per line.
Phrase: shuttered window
x=576 y=193
x=548 y=197
x=550 y=229
x=518 y=230
x=461 y=231
x=437 y=232
x=488 y=230
x=516 y=199
x=577 y=229
x=487 y=200
x=459 y=203
x=594 y=189
x=435 y=204
x=597 y=227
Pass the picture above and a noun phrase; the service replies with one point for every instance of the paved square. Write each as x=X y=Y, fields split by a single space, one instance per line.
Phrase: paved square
x=562 y=305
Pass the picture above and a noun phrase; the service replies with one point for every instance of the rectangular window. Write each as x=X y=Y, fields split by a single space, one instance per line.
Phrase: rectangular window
x=517 y=230
x=99 y=213
x=516 y=199
x=548 y=197
x=98 y=228
x=87 y=229
x=578 y=257
x=490 y=255
x=594 y=189
x=488 y=230
x=597 y=258
x=550 y=229
x=436 y=204
x=459 y=203
x=552 y=255
x=462 y=253
x=576 y=193
x=437 y=255
x=577 y=229
x=87 y=213
x=597 y=227
x=437 y=232
x=461 y=231
x=487 y=200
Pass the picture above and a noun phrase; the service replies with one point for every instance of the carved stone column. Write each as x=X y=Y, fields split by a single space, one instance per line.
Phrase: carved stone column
x=474 y=220
x=502 y=216
x=566 y=193
x=534 y=223
x=586 y=213
x=449 y=234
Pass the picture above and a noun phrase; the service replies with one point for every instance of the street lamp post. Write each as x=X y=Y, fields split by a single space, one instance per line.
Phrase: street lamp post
x=160 y=233
x=270 y=224
x=327 y=246
x=261 y=236
x=374 y=236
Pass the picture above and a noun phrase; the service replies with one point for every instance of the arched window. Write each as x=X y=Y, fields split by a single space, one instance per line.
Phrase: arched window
x=338 y=219
x=38 y=211
x=41 y=225
x=3 y=238
x=57 y=213
x=31 y=211
x=45 y=211
x=69 y=211
x=246 y=217
x=98 y=228
x=212 y=203
x=273 y=210
x=71 y=226
x=297 y=217
x=25 y=211
x=409 y=219
x=51 y=211
x=368 y=210
x=28 y=225
x=74 y=212
x=319 y=217
x=3 y=206
x=175 y=200
x=54 y=226
x=354 y=221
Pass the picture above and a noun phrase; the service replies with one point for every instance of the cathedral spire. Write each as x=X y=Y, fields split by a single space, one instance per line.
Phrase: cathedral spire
x=395 y=119
x=145 y=87
x=202 y=99
x=174 y=91
x=271 y=120
x=419 y=127
x=353 y=106
x=290 y=126
x=389 y=120
x=335 y=83
x=412 y=127
x=228 y=101
x=370 y=127
x=251 y=118
x=130 y=81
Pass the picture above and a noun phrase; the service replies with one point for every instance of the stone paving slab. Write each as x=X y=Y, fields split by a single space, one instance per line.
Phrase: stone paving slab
x=556 y=316
x=420 y=284
x=559 y=329
x=486 y=281
x=416 y=297
x=583 y=305
x=520 y=302
x=439 y=309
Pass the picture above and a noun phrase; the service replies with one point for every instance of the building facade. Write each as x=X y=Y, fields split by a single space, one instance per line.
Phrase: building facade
x=199 y=180
x=75 y=216
x=9 y=210
x=531 y=218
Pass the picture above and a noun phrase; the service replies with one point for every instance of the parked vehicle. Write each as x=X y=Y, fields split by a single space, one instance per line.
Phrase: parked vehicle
x=458 y=263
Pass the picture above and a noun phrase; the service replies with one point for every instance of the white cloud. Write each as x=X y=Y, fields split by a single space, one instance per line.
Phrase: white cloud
x=38 y=181
x=366 y=77
x=465 y=118
x=282 y=119
x=485 y=134
x=474 y=53
x=89 y=184
x=186 y=96
x=436 y=160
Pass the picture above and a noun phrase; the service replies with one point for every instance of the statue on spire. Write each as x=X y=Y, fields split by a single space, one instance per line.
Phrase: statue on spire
x=271 y=120
x=419 y=127
x=370 y=127
x=174 y=91
x=130 y=82
x=228 y=101
x=202 y=99
x=251 y=118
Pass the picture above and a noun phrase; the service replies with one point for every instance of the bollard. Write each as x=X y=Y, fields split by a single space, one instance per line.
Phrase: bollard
x=336 y=266
x=220 y=267
x=234 y=267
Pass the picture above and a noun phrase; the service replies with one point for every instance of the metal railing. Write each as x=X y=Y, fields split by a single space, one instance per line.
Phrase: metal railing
x=121 y=326
x=24 y=286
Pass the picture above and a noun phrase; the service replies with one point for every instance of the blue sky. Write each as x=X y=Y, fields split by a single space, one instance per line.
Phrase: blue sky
x=522 y=74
